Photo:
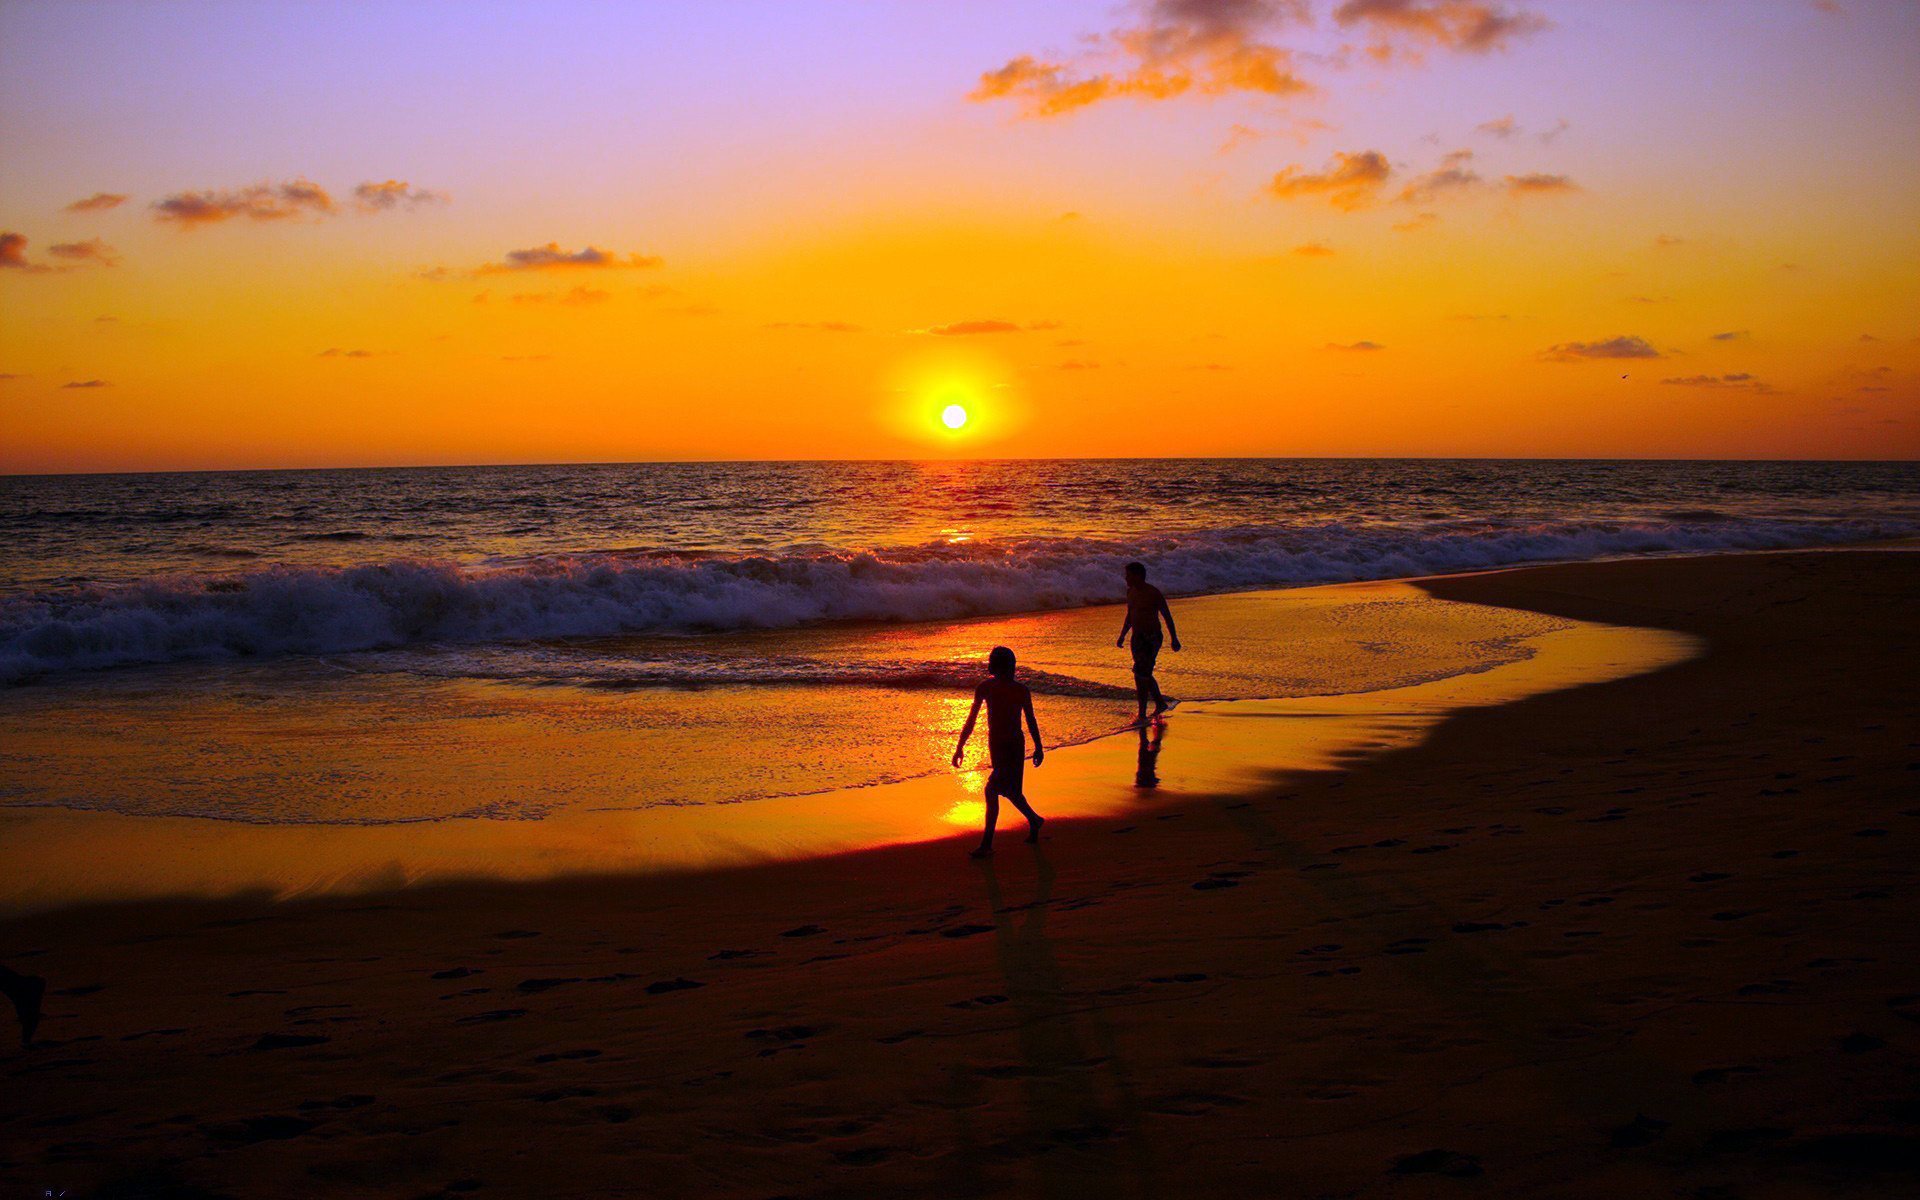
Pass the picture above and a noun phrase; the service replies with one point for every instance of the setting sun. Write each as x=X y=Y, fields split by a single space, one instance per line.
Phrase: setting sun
x=953 y=416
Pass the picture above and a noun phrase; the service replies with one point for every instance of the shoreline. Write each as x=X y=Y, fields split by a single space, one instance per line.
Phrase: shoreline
x=1651 y=936
x=138 y=857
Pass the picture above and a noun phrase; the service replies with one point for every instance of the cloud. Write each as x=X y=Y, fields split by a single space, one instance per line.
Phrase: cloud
x=336 y=352
x=578 y=297
x=1452 y=175
x=5 y=376
x=1315 y=250
x=1074 y=364
x=261 y=202
x=818 y=326
x=1350 y=181
x=1537 y=184
x=1666 y=241
x=551 y=257
x=86 y=383
x=1178 y=48
x=1736 y=382
x=1356 y=347
x=1621 y=346
x=1732 y=335
x=98 y=202
x=390 y=194
x=1416 y=222
x=1547 y=136
x=1470 y=26
x=1500 y=127
x=970 y=328
x=13 y=254
x=93 y=250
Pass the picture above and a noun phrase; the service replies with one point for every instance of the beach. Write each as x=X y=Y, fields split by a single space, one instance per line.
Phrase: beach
x=1649 y=936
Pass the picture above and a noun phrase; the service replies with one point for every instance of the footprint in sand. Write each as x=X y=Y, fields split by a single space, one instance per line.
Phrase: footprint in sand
x=979 y=1002
x=1193 y=1104
x=517 y=933
x=960 y=931
x=260 y=1129
x=730 y=955
x=566 y=1055
x=533 y=986
x=803 y=931
x=498 y=1014
x=903 y=1036
x=672 y=985
x=455 y=973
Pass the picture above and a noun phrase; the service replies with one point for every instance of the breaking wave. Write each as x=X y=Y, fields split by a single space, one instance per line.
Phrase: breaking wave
x=283 y=610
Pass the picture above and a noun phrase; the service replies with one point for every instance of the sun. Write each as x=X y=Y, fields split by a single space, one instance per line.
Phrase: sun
x=953 y=416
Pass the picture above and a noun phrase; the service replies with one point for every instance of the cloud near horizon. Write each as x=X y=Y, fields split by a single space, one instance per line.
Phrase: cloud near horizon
x=818 y=326
x=260 y=202
x=13 y=254
x=1362 y=347
x=92 y=250
x=551 y=257
x=1351 y=180
x=98 y=202
x=1621 y=346
x=973 y=328
x=1539 y=184
x=1454 y=174
x=86 y=383
x=390 y=194
x=1740 y=381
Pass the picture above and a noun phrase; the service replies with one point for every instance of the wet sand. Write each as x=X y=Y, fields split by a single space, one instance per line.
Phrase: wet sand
x=1654 y=936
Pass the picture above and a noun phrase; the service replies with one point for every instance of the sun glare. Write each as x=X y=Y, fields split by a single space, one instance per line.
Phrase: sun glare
x=953 y=416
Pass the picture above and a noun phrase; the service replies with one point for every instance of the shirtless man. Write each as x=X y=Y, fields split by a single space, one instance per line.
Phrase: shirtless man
x=1146 y=608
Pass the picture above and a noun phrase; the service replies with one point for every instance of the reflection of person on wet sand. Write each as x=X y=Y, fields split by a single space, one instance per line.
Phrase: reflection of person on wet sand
x=1007 y=700
x=26 y=992
x=1151 y=736
x=1146 y=608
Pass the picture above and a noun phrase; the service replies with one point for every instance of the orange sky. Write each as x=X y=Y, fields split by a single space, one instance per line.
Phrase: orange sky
x=411 y=233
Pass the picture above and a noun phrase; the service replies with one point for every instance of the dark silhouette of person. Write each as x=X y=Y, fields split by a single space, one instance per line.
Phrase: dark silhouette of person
x=26 y=992
x=1007 y=700
x=1145 y=774
x=1146 y=608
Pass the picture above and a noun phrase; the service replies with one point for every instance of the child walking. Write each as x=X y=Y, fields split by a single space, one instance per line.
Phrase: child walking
x=1007 y=700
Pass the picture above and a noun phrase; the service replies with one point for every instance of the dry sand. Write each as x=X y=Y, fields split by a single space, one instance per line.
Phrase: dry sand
x=1654 y=937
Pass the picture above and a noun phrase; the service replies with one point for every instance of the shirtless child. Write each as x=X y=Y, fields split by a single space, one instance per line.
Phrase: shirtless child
x=1007 y=701
x=1146 y=608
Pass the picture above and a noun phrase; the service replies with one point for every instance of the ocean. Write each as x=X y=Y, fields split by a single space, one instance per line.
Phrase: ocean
x=357 y=646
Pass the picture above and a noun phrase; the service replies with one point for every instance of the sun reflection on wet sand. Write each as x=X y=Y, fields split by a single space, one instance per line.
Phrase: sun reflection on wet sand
x=53 y=856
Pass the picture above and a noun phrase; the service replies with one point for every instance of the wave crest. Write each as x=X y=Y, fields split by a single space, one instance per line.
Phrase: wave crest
x=285 y=611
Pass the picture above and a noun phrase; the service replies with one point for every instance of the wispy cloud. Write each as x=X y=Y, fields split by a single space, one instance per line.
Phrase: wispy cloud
x=551 y=257
x=260 y=202
x=98 y=202
x=1355 y=347
x=1454 y=174
x=1470 y=26
x=1351 y=181
x=336 y=352
x=91 y=251
x=86 y=383
x=1500 y=127
x=578 y=297
x=1315 y=250
x=1741 y=382
x=390 y=194
x=818 y=326
x=1538 y=184
x=1621 y=346
x=1207 y=48
x=972 y=328
x=1175 y=48
x=1732 y=335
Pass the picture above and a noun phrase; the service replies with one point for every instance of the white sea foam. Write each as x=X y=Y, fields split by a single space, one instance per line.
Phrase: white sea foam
x=286 y=610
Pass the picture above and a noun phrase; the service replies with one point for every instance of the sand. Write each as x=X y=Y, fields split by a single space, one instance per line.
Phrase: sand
x=1654 y=936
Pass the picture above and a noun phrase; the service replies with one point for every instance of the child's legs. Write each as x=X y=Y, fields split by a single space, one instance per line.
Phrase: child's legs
x=993 y=814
